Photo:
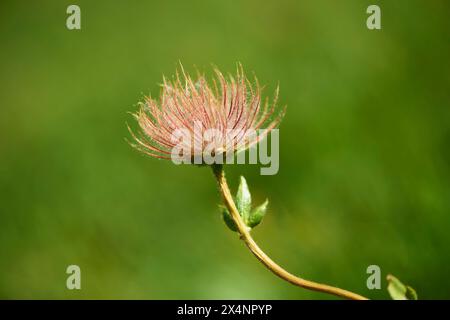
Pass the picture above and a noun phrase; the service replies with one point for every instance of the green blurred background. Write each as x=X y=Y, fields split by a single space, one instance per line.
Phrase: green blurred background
x=364 y=164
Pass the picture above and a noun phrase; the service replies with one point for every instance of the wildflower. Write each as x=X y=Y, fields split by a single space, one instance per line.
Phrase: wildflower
x=230 y=108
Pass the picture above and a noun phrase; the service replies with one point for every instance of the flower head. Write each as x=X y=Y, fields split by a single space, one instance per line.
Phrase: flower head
x=196 y=117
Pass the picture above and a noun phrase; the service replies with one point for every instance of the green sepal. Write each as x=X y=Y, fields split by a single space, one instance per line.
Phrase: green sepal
x=243 y=199
x=257 y=214
x=228 y=219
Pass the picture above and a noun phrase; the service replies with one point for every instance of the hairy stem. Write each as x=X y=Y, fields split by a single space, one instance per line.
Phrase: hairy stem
x=264 y=258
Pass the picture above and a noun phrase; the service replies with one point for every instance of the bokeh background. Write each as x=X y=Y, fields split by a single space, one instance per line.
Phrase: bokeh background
x=364 y=165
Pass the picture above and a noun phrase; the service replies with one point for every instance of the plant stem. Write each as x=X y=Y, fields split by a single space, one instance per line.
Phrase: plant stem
x=264 y=258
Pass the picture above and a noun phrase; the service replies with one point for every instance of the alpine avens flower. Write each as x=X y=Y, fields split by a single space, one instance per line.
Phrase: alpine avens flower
x=219 y=118
x=197 y=120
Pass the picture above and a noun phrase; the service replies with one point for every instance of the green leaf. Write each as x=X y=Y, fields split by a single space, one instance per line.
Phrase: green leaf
x=399 y=291
x=243 y=200
x=411 y=294
x=257 y=214
x=228 y=219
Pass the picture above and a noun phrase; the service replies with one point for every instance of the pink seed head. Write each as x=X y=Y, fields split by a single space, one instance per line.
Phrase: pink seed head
x=231 y=106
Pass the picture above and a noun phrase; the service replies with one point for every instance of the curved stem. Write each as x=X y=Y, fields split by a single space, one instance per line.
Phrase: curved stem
x=264 y=258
